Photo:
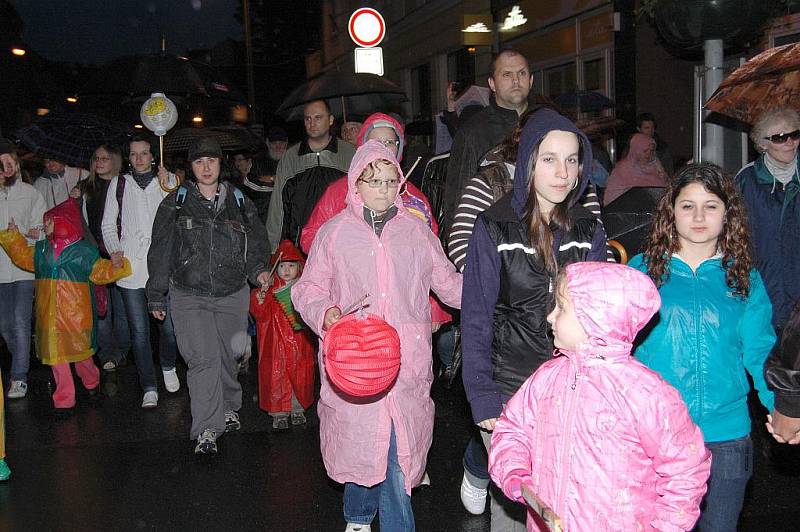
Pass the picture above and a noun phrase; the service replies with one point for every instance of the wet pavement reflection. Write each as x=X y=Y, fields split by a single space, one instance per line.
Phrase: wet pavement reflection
x=113 y=466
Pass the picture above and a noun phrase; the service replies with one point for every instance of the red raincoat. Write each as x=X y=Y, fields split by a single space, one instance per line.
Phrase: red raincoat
x=285 y=356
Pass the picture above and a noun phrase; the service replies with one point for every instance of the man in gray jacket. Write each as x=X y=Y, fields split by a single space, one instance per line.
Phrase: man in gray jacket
x=304 y=173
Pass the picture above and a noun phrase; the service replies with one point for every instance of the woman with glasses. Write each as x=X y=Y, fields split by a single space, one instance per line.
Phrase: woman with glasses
x=770 y=188
x=113 y=336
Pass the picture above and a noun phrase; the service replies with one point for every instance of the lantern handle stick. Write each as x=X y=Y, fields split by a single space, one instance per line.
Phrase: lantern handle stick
x=164 y=185
x=272 y=270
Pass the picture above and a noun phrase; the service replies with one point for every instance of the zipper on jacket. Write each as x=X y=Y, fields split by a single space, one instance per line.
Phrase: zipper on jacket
x=698 y=357
x=567 y=431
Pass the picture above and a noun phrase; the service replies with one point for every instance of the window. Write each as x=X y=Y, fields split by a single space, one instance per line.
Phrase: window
x=594 y=75
x=461 y=67
x=787 y=39
x=560 y=80
x=421 y=91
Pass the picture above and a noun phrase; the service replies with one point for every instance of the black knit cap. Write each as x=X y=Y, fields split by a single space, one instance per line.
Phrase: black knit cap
x=205 y=147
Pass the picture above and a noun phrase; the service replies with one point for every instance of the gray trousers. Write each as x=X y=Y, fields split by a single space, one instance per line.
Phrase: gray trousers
x=507 y=515
x=211 y=334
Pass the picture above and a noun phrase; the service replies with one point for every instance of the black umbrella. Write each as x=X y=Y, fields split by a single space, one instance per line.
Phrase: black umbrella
x=627 y=219
x=346 y=93
x=583 y=101
x=71 y=138
x=138 y=77
x=231 y=139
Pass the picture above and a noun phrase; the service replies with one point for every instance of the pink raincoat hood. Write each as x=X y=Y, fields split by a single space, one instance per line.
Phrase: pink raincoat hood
x=613 y=303
x=383 y=120
x=372 y=150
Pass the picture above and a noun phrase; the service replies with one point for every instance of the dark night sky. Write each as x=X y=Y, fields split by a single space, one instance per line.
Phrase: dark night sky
x=97 y=31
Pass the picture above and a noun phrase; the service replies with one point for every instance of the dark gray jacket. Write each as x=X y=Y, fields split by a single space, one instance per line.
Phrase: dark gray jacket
x=204 y=253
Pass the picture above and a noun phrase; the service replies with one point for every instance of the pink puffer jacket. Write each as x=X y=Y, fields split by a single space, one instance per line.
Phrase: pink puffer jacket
x=397 y=270
x=603 y=441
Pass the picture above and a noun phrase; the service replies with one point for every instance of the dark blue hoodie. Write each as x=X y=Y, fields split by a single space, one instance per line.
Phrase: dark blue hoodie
x=507 y=289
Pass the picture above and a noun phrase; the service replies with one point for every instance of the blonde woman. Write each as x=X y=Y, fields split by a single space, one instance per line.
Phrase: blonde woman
x=113 y=336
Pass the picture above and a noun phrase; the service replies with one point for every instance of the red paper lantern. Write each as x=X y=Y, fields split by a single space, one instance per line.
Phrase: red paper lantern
x=362 y=355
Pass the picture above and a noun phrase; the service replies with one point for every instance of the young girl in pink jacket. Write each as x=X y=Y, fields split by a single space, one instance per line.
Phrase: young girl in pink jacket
x=597 y=438
x=377 y=447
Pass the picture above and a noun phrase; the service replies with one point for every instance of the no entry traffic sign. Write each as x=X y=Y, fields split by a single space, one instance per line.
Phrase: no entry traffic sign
x=366 y=27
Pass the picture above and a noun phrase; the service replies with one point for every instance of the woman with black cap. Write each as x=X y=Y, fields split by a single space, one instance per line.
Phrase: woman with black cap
x=207 y=243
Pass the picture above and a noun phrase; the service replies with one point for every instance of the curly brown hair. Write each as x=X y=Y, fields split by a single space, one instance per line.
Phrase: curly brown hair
x=733 y=242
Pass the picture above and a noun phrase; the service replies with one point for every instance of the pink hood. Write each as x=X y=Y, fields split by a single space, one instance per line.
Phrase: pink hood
x=383 y=120
x=612 y=302
x=372 y=150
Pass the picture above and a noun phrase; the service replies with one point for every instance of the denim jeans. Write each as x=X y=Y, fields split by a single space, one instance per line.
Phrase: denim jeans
x=389 y=497
x=15 y=325
x=731 y=468
x=113 y=335
x=135 y=302
x=476 y=463
x=445 y=343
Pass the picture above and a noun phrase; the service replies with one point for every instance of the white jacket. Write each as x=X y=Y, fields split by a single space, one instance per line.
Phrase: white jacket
x=55 y=191
x=138 y=212
x=25 y=205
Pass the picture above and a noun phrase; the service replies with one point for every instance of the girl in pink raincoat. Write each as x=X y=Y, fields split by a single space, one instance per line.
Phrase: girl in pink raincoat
x=378 y=447
x=598 y=438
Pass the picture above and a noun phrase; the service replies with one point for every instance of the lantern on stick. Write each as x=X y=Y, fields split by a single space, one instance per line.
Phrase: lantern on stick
x=159 y=115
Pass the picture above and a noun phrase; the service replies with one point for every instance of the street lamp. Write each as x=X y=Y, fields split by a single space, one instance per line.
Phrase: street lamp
x=197 y=119
x=72 y=99
x=19 y=52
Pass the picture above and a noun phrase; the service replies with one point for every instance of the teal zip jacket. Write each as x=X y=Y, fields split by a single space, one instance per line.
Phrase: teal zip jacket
x=702 y=341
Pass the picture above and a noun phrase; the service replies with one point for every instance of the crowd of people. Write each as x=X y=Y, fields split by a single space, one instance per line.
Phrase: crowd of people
x=604 y=396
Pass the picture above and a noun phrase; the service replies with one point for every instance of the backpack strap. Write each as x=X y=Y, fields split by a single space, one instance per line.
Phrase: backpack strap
x=120 y=192
x=180 y=198
x=240 y=202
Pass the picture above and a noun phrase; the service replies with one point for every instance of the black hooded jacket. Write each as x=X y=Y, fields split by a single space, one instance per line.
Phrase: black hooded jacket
x=507 y=289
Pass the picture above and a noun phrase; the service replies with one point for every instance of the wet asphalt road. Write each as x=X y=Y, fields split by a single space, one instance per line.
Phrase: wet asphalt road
x=114 y=466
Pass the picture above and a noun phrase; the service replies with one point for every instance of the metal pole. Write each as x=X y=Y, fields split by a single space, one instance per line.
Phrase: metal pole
x=713 y=151
x=248 y=47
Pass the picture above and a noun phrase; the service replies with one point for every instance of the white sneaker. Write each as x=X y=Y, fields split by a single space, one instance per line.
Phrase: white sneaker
x=150 y=399
x=17 y=390
x=473 y=499
x=355 y=527
x=171 y=381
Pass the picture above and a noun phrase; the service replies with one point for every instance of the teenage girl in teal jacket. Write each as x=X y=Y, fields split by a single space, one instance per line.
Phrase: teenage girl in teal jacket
x=714 y=326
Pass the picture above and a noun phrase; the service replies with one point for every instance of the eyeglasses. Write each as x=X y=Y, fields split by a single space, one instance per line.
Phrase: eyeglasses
x=780 y=138
x=387 y=142
x=378 y=183
x=102 y=159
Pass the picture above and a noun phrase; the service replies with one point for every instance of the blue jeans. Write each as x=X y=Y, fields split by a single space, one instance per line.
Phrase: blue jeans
x=113 y=336
x=445 y=344
x=15 y=325
x=476 y=462
x=390 y=497
x=731 y=468
x=135 y=302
